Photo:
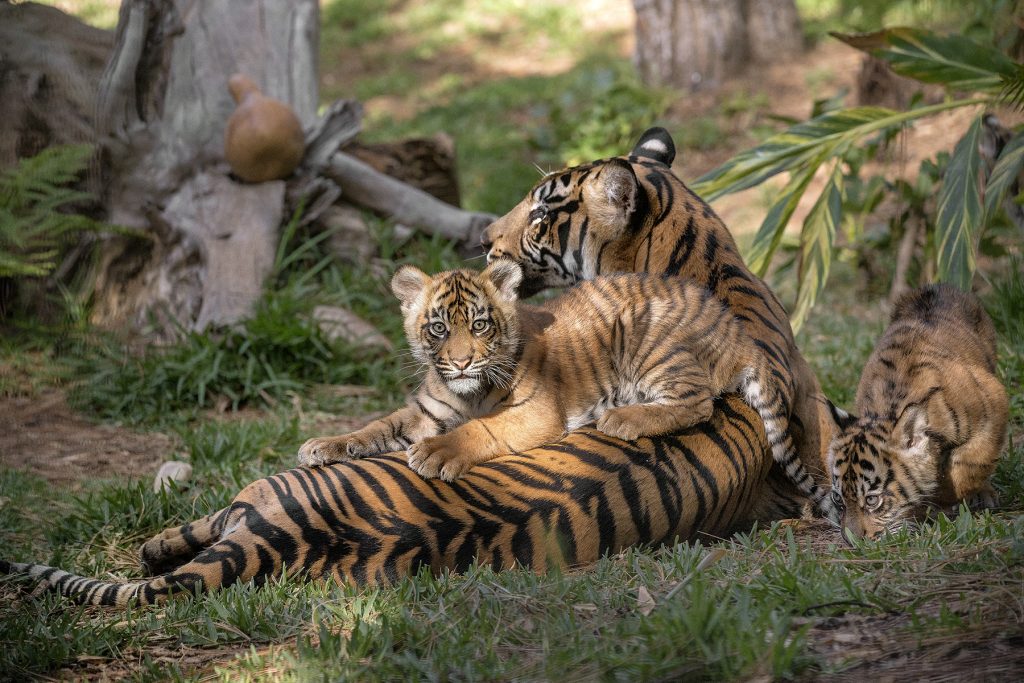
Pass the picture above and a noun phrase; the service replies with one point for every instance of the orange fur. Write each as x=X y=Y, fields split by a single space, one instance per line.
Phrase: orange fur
x=640 y=356
x=632 y=214
x=933 y=415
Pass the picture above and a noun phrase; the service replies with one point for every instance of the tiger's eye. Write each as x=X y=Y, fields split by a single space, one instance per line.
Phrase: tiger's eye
x=480 y=325
x=438 y=329
x=872 y=501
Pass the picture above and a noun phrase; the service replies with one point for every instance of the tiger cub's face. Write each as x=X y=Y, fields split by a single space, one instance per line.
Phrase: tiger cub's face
x=463 y=323
x=882 y=473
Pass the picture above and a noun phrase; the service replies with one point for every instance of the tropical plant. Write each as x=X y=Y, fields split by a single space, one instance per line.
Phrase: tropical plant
x=834 y=138
x=35 y=220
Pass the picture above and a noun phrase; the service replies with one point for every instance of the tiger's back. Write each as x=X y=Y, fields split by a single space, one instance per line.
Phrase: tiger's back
x=932 y=414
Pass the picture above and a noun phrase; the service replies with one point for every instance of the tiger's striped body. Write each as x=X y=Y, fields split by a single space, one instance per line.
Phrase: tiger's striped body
x=933 y=415
x=374 y=520
x=638 y=355
x=632 y=214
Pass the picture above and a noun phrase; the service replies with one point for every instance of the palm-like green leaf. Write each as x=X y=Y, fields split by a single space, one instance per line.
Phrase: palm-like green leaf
x=1004 y=173
x=816 y=241
x=954 y=61
x=813 y=141
x=960 y=216
x=774 y=225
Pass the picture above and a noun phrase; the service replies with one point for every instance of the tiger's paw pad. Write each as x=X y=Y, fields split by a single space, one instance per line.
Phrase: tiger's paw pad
x=627 y=423
x=324 y=451
x=436 y=457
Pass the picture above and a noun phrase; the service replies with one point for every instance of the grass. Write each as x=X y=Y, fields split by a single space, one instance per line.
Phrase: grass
x=766 y=603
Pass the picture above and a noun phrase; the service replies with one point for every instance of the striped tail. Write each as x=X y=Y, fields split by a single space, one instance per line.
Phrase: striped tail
x=776 y=422
x=88 y=591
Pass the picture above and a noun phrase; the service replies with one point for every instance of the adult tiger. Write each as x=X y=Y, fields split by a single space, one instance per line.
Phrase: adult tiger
x=374 y=520
x=634 y=214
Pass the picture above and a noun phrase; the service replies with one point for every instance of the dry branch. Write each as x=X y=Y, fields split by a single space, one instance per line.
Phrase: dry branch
x=369 y=188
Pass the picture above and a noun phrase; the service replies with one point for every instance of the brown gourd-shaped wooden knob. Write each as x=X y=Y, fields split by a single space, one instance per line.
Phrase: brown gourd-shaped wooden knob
x=264 y=139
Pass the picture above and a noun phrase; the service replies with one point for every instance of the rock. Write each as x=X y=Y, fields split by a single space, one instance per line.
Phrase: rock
x=173 y=470
x=351 y=240
x=264 y=139
x=340 y=323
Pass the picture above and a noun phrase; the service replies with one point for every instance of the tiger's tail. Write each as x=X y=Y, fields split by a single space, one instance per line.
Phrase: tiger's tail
x=89 y=591
x=210 y=557
x=775 y=415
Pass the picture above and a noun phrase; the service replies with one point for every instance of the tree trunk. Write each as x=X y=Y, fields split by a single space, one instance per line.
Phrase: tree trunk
x=162 y=108
x=773 y=30
x=691 y=44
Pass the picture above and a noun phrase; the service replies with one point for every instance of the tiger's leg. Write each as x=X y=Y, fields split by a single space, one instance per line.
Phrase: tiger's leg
x=521 y=426
x=175 y=546
x=395 y=432
x=762 y=395
x=972 y=463
x=678 y=399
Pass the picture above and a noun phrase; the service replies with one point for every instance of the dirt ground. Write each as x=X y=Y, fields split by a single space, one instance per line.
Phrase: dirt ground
x=41 y=434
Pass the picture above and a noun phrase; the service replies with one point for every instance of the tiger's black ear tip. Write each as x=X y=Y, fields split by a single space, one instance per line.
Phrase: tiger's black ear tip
x=656 y=143
x=841 y=418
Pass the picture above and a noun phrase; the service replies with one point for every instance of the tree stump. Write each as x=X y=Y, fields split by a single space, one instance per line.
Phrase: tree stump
x=162 y=108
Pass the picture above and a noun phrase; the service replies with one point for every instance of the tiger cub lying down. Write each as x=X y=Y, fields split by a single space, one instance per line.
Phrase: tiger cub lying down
x=933 y=416
x=641 y=355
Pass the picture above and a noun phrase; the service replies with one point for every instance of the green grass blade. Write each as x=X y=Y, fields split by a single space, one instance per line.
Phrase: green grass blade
x=816 y=240
x=959 y=217
x=1004 y=173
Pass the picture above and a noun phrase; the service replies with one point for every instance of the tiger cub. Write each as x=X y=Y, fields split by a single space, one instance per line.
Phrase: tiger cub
x=933 y=416
x=641 y=355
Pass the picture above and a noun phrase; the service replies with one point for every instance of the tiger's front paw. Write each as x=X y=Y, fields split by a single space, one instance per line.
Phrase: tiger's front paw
x=439 y=456
x=324 y=451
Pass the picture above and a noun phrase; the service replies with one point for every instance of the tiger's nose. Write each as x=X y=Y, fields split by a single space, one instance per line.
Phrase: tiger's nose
x=462 y=363
x=487 y=237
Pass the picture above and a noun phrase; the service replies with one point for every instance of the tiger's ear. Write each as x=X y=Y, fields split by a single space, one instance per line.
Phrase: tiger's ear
x=911 y=430
x=840 y=418
x=615 y=190
x=656 y=143
x=408 y=283
x=506 y=276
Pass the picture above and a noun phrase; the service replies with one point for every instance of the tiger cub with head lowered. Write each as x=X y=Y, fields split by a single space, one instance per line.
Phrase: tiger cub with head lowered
x=641 y=355
x=933 y=416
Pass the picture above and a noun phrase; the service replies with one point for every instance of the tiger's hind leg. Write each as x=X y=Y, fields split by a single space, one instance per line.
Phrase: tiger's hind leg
x=673 y=404
x=174 y=547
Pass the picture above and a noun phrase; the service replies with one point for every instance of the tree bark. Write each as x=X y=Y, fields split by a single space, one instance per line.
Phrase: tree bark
x=691 y=44
x=773 y=30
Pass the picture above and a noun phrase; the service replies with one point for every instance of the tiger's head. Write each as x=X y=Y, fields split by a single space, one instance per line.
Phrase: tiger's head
x=463 y=323
x=582 y=220
x=882 y=471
